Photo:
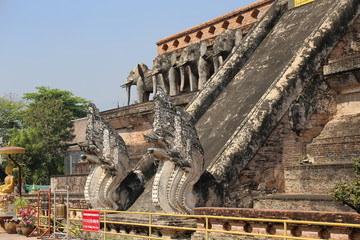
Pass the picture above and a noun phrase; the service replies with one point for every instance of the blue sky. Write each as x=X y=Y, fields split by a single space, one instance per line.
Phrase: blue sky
x=89 y=47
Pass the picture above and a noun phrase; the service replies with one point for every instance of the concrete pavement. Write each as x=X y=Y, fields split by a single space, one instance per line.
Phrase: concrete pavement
x=5 y=236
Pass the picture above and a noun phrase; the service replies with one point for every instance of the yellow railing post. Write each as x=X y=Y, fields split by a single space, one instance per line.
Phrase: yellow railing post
x=104 y=225
x=207 y=228
x=150 y=225
x=207 y=225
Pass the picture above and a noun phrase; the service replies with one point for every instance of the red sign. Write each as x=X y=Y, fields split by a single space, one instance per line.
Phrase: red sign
x=91 y=221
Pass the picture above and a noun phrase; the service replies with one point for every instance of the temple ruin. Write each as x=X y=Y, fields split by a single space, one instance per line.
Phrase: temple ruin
x=258 y=108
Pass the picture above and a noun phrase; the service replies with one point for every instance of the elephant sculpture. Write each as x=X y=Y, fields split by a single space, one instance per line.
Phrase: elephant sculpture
x=187 y=64
x=162 y=66
x=205 y=68
x=224 y=44
x=194 y=68
x=174 y=76
x=145 y=82
x=189 y=71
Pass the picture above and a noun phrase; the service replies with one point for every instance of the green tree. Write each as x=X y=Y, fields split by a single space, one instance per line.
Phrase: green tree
x=47 y=128
x=10 y=115
x=77 y=105
x=349 y=193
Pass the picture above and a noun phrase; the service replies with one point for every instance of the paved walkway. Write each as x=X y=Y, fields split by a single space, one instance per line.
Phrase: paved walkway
x=5 y=236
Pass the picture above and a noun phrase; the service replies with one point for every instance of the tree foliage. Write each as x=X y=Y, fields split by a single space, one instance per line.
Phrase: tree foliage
x=10 y=115
x=76 y=105
x=349 y=193
x=46 y=130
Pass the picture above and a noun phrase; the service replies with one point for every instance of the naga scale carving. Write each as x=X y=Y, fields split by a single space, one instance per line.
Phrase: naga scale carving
x=107 y=153
x=177 y=152
x=180 y=157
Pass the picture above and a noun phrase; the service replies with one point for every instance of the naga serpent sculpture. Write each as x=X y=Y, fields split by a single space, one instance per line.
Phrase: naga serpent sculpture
x=180 y=157
x=107 y=153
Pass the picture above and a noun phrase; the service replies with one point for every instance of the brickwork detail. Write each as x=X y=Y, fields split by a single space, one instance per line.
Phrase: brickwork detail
x=316 y=179
x=322 y=155
x=263 y=175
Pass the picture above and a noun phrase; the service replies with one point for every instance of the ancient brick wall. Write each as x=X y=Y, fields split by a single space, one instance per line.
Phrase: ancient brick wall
x=263 y=175
x=309 y=163
x=294 y=149
x=315 y=178
x=277 y=167
x=302 y=202
x=76 y=183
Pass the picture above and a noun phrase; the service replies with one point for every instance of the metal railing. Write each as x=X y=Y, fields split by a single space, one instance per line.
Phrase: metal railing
x=150 y=226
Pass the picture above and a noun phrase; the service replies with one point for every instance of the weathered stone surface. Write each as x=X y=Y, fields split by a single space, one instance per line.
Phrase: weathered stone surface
x=179 y=155
x=276 y=86
x=132 y=122
x=271 y=80
x=338 y=137
x=349 y=44
x=106 y=151
x=74 y=183
x=330 y=154
x=317 y=98
x=236 y=61
x=342 y=65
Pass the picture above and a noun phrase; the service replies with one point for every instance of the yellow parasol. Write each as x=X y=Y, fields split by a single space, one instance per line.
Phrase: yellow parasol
x=14 y=150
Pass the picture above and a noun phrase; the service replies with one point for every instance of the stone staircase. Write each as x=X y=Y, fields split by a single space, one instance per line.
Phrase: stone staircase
x=244 y=101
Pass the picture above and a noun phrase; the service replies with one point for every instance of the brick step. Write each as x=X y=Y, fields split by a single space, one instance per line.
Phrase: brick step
x=339 y=141
x=316 y=178
x=334 y=149
x=316 y=202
